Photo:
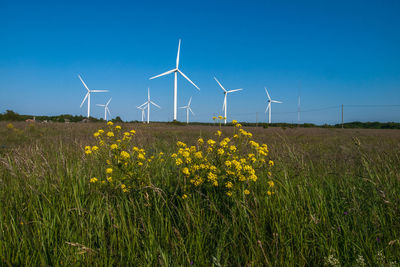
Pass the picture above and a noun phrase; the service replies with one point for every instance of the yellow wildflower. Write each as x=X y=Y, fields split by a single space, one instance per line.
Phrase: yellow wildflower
x=200 y=141
x=109 y=170
x=220 y=151
x=123 y=186
x=110 y=123
x=93 y=180
x=180 y=144
x=133 y=131
x=110 y=134
x=234 y=121
x=271 y=183
x=178 y=161
x=219 y=133
x=229 y=185
x=117 y=127
x=101 y=131
x=269 y=193
x=229 y=193
x=96 y=134
x=214 y=118
x=198 y=155
x=246 y=192
x=184 y=196
x=125 y=155
x=113 y=146
x=185 y=171
x=220 y=117
x=271 y=163
x=109 y=179
x=95 y=148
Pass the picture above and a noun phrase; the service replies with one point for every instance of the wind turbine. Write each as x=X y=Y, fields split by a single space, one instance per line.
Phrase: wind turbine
x=148 y=102
x=142 y=108
x=269 y=104
x=106 y=109
x=175 y=71
x=88 y=95
x=187 y=110
x=224 y=106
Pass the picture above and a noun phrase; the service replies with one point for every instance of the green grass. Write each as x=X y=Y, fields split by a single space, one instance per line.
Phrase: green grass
x=337 y=196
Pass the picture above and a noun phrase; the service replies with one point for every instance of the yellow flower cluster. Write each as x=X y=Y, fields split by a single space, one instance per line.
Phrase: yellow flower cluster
x=227 y=165
x=224 y=165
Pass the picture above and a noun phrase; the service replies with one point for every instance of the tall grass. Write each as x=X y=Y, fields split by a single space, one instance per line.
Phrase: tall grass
x=336 y=203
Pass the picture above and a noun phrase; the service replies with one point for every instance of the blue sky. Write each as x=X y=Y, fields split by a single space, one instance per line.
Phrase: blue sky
x=331 y=52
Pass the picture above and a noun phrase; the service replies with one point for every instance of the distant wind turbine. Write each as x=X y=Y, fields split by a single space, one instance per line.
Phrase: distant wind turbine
x=187 y=107
x=269 y=107
x=224 y=106
x=88 y=95
x=142 y=108
x=148 y=102
x=106 y=109
x=175 y=71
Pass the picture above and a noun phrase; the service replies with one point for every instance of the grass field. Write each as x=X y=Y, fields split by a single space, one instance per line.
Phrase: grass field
x=335 y=201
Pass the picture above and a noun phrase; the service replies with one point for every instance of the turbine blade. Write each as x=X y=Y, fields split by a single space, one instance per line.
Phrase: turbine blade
x=85 y=98
x=108 y=101
x=267 y=93
x=99 y=91
x=267 y=107
x=276 y=101
x=162 y=74
x=155 y=104
x=220 y=84
x=83 y=82
x=100 y=105
x=177 y=57
x=188 y=79
x=145 y=103
x=191 y=111
x=190 y=101
x=234 y=90
x=183 y=107
x=108 y=111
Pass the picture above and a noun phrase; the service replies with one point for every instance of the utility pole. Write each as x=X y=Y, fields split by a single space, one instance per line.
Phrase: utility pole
x=342 y=116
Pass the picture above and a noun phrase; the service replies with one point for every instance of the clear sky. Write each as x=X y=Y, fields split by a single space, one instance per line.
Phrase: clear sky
x=329 y=52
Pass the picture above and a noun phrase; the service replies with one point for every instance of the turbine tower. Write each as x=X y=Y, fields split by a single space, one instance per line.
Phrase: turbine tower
x=147 y=105
x=224 y=106
x=175 y=71
x=187 y=107
x=106 y=109
x=269 y=105
x=142 y=108
x=88 y=95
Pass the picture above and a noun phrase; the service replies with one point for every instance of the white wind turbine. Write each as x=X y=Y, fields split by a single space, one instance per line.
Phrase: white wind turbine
x=88 y=95
x=106 y=109
x=148 y=102
x=187 y=107
x=269 y=105
x=224 y=106
x=142 y=108
x=175 y=71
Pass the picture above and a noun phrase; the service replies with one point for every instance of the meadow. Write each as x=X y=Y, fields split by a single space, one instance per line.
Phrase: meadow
x=329 y=197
